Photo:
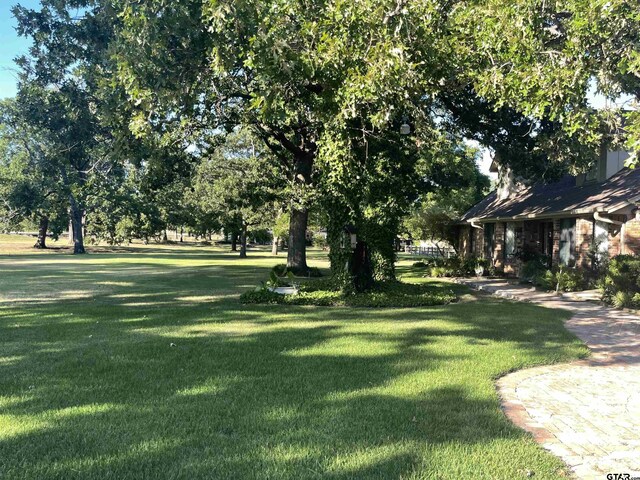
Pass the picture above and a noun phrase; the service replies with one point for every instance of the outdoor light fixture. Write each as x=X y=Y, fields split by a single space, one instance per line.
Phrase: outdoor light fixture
x=405 y=128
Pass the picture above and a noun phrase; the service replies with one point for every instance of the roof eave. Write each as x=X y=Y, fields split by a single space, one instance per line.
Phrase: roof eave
x=550 y=215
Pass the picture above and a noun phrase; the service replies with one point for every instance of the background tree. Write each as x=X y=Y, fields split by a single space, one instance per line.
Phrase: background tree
x=239 y=182
x=279 y=230
x=434 y=215
x=28 y=187
x=61 y=95
x=226 y=74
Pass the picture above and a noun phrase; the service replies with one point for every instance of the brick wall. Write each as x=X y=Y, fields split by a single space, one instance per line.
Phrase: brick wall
x=555 y=260
x=478 y=243
x=614 y=240
x=632 y=237
x=463 y=240
x=498 y=242
x=615 y=236
x=584 y=239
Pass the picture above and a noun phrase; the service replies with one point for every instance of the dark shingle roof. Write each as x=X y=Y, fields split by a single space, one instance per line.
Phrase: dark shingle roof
x=562 y=196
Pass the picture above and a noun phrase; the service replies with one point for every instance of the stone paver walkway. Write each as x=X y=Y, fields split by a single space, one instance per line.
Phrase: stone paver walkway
x=586 y=412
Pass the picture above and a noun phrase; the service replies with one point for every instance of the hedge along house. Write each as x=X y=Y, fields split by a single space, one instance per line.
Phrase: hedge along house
x=568 y=222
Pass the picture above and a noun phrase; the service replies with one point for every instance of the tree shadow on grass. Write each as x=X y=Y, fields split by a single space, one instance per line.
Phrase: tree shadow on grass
x=138 y=381
x=251 y=407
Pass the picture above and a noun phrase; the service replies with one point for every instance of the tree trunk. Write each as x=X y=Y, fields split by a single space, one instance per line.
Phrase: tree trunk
x=243 y=242
x=274 y=245
x=297 y=252
x=361 y=268
x=76 y=221
x=234 y=242
x=70 y=234
x=297 y=248
x=42 y=232
x=181 y=235
x=165 y=238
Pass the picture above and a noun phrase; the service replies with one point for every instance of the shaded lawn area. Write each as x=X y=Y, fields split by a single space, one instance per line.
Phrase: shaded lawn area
x=145 y=365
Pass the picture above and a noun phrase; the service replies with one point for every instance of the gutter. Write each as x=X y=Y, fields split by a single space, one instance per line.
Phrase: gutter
x=551 y=215
x=597 y=216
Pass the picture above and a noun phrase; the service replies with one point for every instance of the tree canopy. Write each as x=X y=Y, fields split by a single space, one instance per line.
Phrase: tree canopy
x=145 y=104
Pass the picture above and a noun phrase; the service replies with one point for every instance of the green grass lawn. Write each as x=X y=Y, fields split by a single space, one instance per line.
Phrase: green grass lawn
x=144 y=365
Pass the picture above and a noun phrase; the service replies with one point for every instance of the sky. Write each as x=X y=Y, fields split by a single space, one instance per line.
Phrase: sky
x=12 y=46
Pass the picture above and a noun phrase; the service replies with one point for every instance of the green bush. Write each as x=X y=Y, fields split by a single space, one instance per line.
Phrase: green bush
x=561 y=279
x=456 y=266
x=546 y=280
x=386 y=294
x=438 y=272
x=281 y=270
x=263 y=295
x=459 y=266
x=570 y=280
x=326 y=283
x=621 y=282
x=532 y=270
x=320 y=242
x=314 y=272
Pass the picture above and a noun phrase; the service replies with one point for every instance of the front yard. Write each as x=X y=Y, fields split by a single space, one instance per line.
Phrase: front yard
x=143 y=364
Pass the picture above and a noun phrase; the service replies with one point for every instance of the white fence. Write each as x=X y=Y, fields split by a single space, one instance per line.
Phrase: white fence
x=432 y=252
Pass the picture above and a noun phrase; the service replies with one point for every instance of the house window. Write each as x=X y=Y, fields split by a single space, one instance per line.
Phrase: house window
x=510 y=239
x=567 y=241
x=489 y=229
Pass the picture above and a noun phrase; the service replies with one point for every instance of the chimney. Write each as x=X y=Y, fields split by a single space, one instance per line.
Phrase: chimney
x=506 y=185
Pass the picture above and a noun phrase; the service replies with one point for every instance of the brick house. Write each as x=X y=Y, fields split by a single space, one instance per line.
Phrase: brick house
x=568 y=221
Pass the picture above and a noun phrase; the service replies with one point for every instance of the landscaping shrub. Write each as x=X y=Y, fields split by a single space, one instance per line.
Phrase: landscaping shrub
x=559 y=279
x=438 y=272
x=453 y=266
x=314 y=272
x=621 y=282
x=325 y=283
x=320 y=242
x=570 y=280
x=281 y=270
x=386 y=294
x=546 y=280
x=532 y=271
x=262 y=296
